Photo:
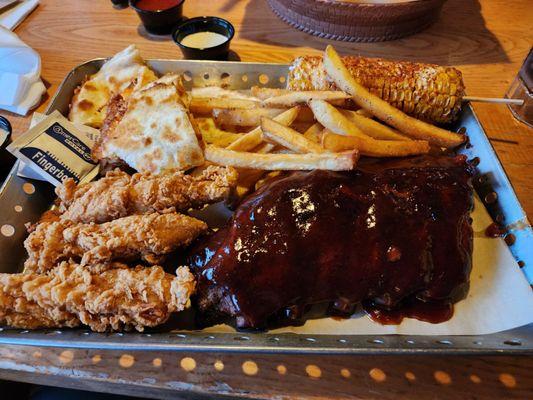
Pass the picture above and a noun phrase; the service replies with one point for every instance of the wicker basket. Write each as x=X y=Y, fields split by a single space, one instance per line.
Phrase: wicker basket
x=357 y=21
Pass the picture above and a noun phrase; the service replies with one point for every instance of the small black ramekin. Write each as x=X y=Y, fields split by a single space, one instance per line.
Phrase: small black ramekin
x=204 y=24
x=160 y=22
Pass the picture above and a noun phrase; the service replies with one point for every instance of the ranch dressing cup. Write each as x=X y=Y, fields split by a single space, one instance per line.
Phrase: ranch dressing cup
x=204 y=38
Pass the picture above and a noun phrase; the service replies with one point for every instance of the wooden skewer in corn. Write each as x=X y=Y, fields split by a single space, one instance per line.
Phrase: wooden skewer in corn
x=493 y=100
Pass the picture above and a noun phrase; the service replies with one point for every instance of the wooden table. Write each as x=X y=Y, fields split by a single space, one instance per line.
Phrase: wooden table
x=486 y=39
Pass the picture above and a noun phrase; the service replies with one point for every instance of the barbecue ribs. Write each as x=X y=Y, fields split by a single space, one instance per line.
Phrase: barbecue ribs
x=386 y=235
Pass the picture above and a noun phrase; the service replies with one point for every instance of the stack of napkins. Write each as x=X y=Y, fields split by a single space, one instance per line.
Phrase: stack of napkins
x=20 y=65
x=13 y=12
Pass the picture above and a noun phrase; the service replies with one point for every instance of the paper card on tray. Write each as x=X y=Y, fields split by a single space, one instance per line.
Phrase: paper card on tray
x=24 y=170
x=55 y=149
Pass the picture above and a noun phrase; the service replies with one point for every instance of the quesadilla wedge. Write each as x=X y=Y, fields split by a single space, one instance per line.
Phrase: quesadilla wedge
x=152 y=130
x=122 y=74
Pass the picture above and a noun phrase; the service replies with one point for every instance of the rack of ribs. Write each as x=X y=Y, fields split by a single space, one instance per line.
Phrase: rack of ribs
x=390 y=235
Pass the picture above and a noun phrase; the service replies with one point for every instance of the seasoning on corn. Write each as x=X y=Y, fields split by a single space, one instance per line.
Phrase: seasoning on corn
x=425 y=91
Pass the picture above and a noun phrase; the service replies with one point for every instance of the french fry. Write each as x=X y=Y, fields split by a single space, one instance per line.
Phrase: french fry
x=263 y=93
x=327 y=161
x=372 y=147
x=205 y=106
x=245 y=184
x=363 y=113
x=264 y=148
x=243 y=117
x=249 y=180
x=314 y=133
x=248 y=177
x=305 y=115
x=334 y=120
x=292 y=98
x=208 y=92
x=412 y=127
x=372 y=128
x=266 y=178
x=288 y=137
x=284 y=97
x=254 y=138
x=301 y=127
x=213 y=135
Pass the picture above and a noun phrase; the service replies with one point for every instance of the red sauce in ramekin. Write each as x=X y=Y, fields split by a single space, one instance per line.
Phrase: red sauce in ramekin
x=155 y=5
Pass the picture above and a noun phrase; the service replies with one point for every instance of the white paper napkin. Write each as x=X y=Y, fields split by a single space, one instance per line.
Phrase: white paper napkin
x=20 y=71
x=14 y=15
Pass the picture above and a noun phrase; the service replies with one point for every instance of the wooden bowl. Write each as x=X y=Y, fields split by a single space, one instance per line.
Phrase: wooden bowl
x=358 y=21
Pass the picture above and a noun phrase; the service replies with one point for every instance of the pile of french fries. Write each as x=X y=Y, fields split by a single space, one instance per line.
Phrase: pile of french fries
x=277 y=129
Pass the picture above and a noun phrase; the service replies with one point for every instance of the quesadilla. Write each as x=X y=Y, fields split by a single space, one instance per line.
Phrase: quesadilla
x=122 y=74
x=152 y=130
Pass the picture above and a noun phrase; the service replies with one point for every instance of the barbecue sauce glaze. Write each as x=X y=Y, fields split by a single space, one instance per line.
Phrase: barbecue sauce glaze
x=395 y=236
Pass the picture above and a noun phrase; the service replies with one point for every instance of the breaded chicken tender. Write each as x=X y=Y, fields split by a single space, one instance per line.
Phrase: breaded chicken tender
x=118 y=194
x=115 y=297
x=147 y=236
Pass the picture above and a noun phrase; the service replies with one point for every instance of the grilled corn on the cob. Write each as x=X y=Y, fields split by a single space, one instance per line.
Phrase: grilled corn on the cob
x=425 y=91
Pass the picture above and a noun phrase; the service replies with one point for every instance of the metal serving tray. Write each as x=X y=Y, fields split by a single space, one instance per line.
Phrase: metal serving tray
x=492 y=186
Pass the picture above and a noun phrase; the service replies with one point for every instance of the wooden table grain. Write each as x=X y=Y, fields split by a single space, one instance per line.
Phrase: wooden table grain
x=486 y=39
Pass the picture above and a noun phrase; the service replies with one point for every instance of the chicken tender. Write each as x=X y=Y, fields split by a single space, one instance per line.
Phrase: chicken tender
x=115 y=298
x=148 y=236
x=118 y=194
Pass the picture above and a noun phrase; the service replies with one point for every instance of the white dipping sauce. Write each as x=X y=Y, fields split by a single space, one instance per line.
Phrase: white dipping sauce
x=203 y=40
